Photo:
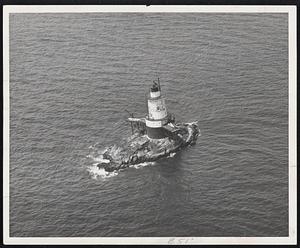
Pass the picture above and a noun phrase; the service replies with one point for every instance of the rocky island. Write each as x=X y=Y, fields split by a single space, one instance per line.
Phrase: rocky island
x=154 y=137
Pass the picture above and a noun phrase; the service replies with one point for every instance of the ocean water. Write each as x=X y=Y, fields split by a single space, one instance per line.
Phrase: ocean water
x=72 y=76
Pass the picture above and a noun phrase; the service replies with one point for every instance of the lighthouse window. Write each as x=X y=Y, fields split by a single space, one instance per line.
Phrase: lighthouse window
x=157 y=108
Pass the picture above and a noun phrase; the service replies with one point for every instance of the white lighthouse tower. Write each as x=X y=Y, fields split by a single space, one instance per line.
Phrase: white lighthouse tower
x=157 y=113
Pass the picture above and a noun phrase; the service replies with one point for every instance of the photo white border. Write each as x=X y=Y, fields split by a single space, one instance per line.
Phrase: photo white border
x=291 y=10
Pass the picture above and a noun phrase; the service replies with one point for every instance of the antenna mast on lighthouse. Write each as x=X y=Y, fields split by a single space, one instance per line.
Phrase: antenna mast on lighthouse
x=158 y=84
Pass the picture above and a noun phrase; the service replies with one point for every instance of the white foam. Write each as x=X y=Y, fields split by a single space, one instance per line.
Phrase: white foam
x=100 y=159
x=192 y=123
x=103 y=150
x=172 y=154
x=140 y=165
x=96 y=172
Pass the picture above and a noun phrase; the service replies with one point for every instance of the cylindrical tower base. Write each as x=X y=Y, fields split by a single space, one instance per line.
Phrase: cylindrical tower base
x=156 y=133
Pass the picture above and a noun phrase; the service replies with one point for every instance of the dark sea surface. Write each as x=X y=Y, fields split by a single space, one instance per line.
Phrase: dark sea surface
x=73 y=75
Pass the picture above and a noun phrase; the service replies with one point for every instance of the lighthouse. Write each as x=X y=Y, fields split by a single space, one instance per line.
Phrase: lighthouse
x=157 y=113
x=153 y=137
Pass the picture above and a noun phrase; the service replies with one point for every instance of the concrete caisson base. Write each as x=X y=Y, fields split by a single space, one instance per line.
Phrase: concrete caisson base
x=156 y=133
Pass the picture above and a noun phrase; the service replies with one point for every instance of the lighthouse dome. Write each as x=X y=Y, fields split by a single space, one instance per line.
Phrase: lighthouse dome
x=155 y=90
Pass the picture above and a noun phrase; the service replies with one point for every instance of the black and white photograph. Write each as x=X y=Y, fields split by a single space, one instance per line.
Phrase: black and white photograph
x=149 y=125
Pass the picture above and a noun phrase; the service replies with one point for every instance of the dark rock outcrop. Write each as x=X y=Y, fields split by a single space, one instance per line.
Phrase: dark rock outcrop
x=140 y=148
